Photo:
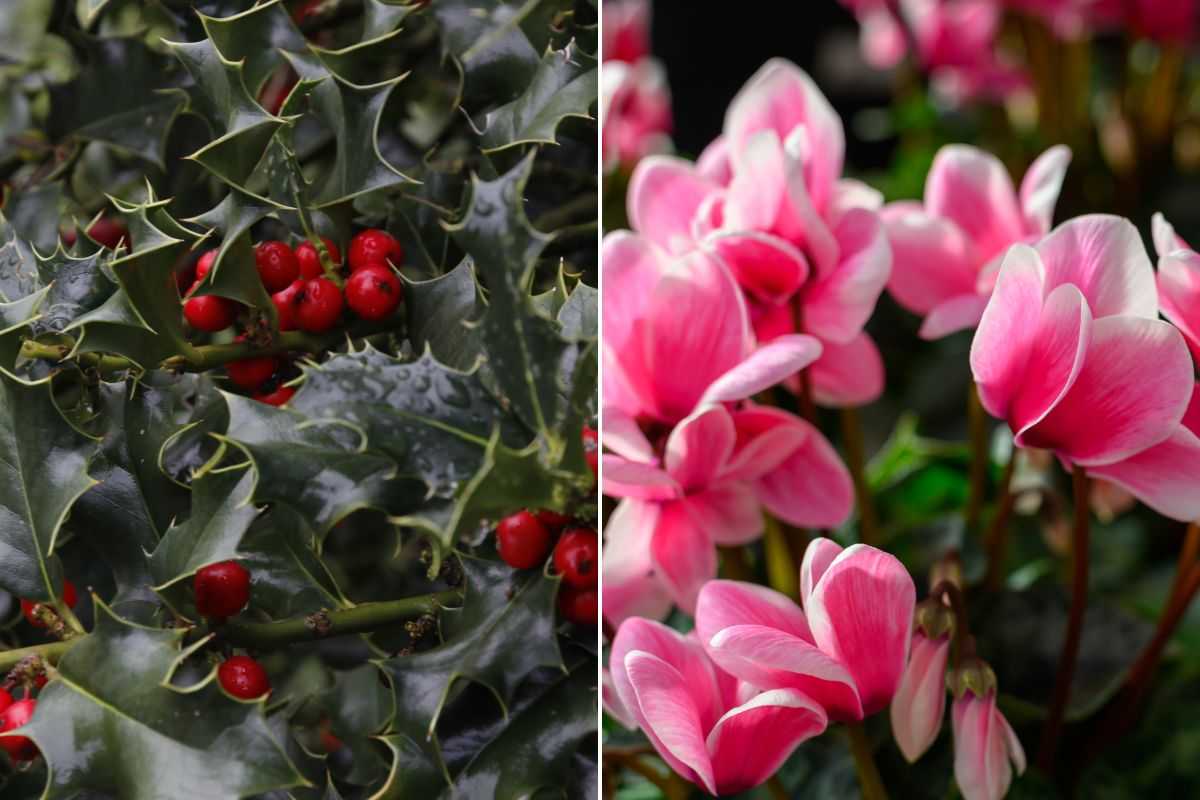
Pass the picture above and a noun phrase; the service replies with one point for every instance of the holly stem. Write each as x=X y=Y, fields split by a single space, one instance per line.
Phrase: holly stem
x=57 y=352
x=51 y=652
x=338 y=622
x=852 y=437
x=1070 y=652
x=995 y=541
x=977 y=429
x=864 y=761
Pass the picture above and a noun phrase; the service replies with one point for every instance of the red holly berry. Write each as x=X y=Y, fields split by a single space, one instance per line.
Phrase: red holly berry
x=69 y=596
x=310 y=260
x=285 y=301
x=591 y=447
x=374 y=246
x=251 y=373
x=222 y=589
x=522 y=541
x=243 y=677
x=6 y=700
x=204 y=264
x=277 y=265
x=330 y=743
x=108 y=232
x=581 y=606
x=19 y=748
x=209 y=312
x=319 y=305
x=577 y=556
x=373 y=292
x=277 y=397
x=553 y=520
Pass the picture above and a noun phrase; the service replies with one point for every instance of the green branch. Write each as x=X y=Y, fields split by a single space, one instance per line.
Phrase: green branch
x=51 y=652
x=340 y=622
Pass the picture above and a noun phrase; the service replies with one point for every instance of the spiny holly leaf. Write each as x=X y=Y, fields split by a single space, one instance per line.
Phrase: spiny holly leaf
x=381 y=17
x=579 y=316
x=352 y=113
x=289 y=578
x=43 y=471
x=116 y=327
x=34 y=214
x=502 y=606
x=522 y=347
x=234 y=273
x=240 y=124
x=146 y=739
x=126 y=96
x=441 y=315
x=534 y=751
x=319 y=469
x=359 y=706
x=221 y=514
x=564 y=85
x=255 y=37
x=77 y=286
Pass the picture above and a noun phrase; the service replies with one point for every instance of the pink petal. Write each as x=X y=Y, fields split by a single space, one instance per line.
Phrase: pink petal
x=972 y=189
x=1191 y=417
x=684 y=554
x=848 y=374
x=1166 y=241
x=932 y=259
x=1104 y=256
x=811 y=487
x=714 y=164
x=669 y=716
x=631 y=587
x=1179 y=294
x=1056 y=356
x=612 y=702
x=769 y=268
x=1131 y=393
x=1163 y=476
x=631 y=270
x=849 y=194
x=770 y=364
x=681 y=652
x=860 y=612
x=698 y=447
x=959 y=313
x=664 y=195
x=751 y=742
x=767 y=436
x=730 y=513
x=881 y=38
x=723 y=604
x=781 y=97
x=982 y=748
x=625 y=478
x=920 y=701
x=820 y=553
x=1003 y=339
x=839 y=305
x=1041 y=186
x=772 y=659
x=623 y=436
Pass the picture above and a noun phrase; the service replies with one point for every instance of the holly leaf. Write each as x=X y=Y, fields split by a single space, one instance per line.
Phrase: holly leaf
x=501 y=606
x=77 y=285
x=381 y=17
x=289 y=578
x=442 y=314
x=255 y=38
x=564 y=85
x=129 y=713
x=125 y=96
x=116 y=327
x=43 y=470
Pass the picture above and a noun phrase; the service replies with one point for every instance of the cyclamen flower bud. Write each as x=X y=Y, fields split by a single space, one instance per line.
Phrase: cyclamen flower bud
x=920 y=702
x=985 y=747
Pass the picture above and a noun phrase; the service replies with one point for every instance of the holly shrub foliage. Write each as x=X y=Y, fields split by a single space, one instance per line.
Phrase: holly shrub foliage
x=405 y=658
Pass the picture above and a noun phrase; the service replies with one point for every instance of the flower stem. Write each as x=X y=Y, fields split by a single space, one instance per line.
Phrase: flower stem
x=339 y=622
x=995 y=541
x=1070 y=653
x=864 y=762
x=977 y=430
x=51 y=652
x=852 y=437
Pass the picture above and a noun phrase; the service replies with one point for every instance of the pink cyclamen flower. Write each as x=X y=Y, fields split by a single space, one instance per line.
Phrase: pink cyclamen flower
x=767 y=198
x=1071 y=354
x=920 y=701
x=626 y=30
x=881 y=36
x=846 y=649
x=720 y=736
x=1170 y=21
x=1178 y=282
x=985 y=748
x=946 y=251
x=635 y=112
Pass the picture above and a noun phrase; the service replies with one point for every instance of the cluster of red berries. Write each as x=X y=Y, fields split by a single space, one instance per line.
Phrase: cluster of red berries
x=305 y=297
x=222 y=590
x=15 y=714
x=523 y=540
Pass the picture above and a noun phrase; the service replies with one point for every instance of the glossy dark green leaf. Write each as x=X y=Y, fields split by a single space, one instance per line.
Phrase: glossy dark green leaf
x=256 y=36
x=196 y=742
x=565 y=85
x=442 y=313
x=381 y=17
x=289 y=578
x=34 y=214
x=36 y=443
x=502 y=606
